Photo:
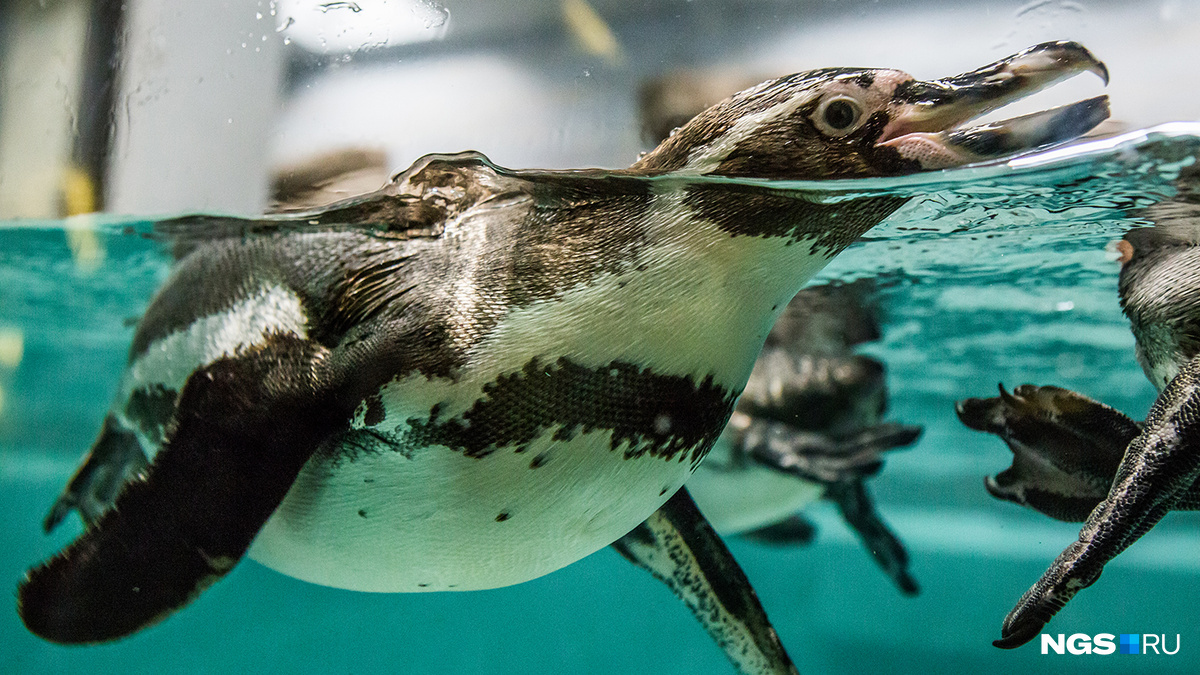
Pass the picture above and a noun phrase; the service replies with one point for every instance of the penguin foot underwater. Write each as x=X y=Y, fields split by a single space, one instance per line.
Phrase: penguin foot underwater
x=1077 y=459
x=475 y=376
x=808 y=427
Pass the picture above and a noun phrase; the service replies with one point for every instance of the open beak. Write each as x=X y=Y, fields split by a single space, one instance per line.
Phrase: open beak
x=927 y=116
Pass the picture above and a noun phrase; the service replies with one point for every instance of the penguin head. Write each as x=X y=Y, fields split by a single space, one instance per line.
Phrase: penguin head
x=857 y=122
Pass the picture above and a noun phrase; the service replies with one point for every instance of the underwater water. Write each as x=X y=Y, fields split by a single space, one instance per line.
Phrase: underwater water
x=990 y=274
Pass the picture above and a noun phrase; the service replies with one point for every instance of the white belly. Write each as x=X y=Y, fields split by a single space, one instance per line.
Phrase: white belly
x=440 y=521
x=433 y=519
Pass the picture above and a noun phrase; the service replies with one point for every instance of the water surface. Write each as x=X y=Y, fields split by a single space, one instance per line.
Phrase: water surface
x=990 y=274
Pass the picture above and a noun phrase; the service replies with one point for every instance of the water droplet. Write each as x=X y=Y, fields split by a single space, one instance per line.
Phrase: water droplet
x=438 y=15
x=258 y=15
x=286 y=24
x=342 y=4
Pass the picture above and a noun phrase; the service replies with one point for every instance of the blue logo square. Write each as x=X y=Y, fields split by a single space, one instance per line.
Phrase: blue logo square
x=1129 y=643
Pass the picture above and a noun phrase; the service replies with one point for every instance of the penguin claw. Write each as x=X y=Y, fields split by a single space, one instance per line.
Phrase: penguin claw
x=1032 y=613
x=1051 y=593
x=1016 y=635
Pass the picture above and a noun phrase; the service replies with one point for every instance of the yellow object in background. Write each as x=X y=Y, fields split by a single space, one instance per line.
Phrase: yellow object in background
x=12 y=347
x=12 y=350
x=79 y=197
x=78 y=191
x=591 y=31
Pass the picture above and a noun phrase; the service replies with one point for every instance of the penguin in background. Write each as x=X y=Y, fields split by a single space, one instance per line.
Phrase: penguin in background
x=1078 y=460
x=809 y=426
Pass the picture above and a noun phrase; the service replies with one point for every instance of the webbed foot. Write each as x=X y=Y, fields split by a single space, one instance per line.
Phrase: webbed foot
x=841 y=464
x=1160 y=466
x=1066 y=447
x=858 y=510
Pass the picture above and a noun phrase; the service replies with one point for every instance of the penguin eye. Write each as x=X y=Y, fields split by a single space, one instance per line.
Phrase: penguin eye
x=839 y=115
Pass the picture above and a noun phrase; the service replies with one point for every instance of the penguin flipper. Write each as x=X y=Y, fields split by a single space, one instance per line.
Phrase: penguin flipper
x=858 y=510
x=1066 y=447
x=1160 y=465
x=819 y=457
x=115 y=459
x=795 y=530
x=678 y=546
x=244 y=427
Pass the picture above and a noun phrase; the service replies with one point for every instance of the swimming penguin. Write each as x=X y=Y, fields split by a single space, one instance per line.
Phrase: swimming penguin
x=808 y=427
x=1077 y=459
x=475 y=376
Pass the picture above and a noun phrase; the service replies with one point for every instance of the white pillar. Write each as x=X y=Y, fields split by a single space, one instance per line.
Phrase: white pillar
x=198 y=98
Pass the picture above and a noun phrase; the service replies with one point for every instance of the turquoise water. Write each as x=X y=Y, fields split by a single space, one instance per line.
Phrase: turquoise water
x=991 y=274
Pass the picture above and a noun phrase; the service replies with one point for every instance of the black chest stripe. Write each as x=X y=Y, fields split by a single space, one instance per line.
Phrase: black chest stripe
x=757 y=212
x=664 y=416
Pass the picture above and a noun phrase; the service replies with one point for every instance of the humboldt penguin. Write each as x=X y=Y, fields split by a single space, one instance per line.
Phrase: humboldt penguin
x=808 y=426
x=1076 y=459
x=475 y=376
